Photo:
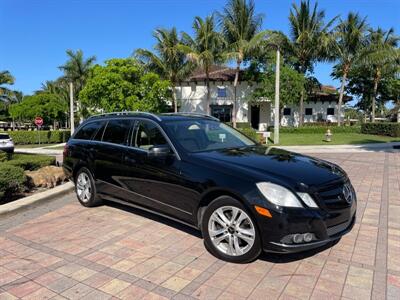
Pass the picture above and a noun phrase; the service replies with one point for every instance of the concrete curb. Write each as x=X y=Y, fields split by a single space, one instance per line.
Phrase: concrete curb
x=27 y=202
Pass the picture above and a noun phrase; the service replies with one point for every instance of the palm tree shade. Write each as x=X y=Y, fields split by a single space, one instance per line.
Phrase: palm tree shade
x=350 y=40
x=241 y=28
x=310 y=39
x=205 y=49
x=168 y=60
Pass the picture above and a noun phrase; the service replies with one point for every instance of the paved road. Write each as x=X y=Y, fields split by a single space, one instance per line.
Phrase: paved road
x=64 y=250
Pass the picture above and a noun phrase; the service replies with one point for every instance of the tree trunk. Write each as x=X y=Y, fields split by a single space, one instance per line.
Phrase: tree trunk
x=208 y=102
x=376 y=81
x=341 y=93
x=234 y=113
x=301 y=110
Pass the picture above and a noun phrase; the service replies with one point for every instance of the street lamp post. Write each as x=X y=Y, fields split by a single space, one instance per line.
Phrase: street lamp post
x=71 y=107
x=277 y=81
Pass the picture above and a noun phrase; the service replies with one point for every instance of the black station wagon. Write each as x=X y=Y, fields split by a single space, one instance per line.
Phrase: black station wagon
x=244 y=197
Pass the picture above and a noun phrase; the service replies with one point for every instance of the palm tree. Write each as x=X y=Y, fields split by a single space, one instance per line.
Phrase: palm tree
x=6 y=94
x=350 y=39
x=381 y=55
x=77 y=70
x=241 y=28
x=204 y=50
x=310 y=39
x=168 y=59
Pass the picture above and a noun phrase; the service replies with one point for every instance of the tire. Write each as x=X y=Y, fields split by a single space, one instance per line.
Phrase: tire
x=237 y=242
x=85 y=188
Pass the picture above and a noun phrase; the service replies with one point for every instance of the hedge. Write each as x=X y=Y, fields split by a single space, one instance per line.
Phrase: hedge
x=12 y=179
x=389 y=129
x=30 y=162
x=318 y=129
x=46 y=136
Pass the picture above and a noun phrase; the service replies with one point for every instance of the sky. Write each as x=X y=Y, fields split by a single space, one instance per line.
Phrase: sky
x=36 y=33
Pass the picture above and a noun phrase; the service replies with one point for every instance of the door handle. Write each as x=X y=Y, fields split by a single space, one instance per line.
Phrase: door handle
x=129 y=160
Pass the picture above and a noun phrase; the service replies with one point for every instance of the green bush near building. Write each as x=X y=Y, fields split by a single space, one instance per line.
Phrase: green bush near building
x=319 y=129
x=46 y=136
x=387 y=129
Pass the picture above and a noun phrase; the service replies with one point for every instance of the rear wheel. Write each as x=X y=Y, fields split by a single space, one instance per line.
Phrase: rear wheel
x=230 y=232
x=85 y=188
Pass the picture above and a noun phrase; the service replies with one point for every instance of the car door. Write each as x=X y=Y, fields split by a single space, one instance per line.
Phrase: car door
x=153 y=182
x=109 y=158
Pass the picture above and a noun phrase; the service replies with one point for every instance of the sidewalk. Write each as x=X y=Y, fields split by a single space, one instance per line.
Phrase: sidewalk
x=375 y=147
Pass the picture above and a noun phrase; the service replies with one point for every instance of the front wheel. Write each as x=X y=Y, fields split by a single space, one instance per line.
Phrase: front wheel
x=230 y=232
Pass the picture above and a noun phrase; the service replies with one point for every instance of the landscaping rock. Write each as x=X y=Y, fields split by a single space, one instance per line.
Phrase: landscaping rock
x=48 y=177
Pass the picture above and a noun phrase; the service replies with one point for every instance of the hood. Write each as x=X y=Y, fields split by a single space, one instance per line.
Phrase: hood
x=267 y=163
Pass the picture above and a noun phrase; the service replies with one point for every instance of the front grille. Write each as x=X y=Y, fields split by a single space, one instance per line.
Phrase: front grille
x=335 y=196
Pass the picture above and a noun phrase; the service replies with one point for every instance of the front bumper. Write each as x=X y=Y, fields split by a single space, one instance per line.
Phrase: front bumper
x=326 y=227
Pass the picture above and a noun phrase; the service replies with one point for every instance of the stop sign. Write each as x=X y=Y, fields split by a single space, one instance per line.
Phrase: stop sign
x=38 y=121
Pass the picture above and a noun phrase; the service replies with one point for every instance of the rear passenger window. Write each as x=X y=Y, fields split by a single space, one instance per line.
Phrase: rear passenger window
x=148 y=135
x=117 y=132
x=88 y=131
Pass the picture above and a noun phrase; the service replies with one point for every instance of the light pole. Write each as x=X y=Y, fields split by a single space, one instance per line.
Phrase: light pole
x=277 y=81
x=71 y=107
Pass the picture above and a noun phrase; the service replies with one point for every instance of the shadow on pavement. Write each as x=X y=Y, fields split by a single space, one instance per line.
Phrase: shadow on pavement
x=270 y=257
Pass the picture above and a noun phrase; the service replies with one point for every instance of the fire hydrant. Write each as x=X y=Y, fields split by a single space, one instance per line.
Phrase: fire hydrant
x=328 y=136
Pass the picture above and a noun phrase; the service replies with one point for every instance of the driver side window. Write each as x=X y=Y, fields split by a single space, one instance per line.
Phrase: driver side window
x=148 y=135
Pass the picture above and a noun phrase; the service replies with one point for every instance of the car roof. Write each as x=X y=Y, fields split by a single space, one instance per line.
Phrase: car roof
x=156 y=117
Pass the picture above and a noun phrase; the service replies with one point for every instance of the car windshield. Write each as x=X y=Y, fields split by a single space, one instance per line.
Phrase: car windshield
x=4 y=137
x=206 y=135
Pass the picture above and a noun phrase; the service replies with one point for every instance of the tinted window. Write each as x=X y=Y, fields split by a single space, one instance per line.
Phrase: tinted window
x=117 y=132
x=308 y=111
x=287 y=111
x=221 y=91
x=148 y=135
x=99 y=135
x=88 y=131
x=330 y=111
x=4 y=136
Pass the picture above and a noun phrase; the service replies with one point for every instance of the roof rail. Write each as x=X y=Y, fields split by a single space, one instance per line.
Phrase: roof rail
x=122 y=113
x=191 y=114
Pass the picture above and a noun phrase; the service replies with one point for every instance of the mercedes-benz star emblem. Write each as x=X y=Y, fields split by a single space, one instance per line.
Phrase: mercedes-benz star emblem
x=347 y=194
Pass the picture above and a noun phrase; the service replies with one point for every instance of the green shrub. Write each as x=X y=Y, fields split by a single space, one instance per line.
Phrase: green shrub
x=4 y=156
x=30 y=161
x=240 y=125
x=251 y=133
x=12 y=179
x=318 y=129
x=46 y=136
x=389 y=129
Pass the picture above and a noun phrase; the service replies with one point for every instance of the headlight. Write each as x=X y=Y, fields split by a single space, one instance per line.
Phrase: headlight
x=278 y=195
x=308 y=200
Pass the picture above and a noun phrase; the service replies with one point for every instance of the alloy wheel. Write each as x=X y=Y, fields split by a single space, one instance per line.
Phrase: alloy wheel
x=83 y=187
x=231 y=230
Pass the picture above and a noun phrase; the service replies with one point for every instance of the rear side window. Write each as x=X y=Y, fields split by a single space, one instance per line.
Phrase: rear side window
x=117 y=132
x=148 y=135
x=88 y=131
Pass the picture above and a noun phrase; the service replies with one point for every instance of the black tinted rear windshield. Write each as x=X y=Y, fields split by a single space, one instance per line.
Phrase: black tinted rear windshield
x=4 y=137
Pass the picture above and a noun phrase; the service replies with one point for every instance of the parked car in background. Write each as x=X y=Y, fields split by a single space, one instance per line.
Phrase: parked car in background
x=244 y=197
x=6 y=143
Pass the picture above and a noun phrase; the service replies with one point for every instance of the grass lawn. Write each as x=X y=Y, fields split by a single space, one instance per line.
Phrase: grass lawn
x=292 y=139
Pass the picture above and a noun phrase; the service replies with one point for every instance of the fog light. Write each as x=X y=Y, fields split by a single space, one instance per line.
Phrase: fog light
x=297 y=238
x=308 y=237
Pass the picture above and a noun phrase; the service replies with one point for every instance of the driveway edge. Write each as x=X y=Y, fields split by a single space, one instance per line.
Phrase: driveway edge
x=34 y=200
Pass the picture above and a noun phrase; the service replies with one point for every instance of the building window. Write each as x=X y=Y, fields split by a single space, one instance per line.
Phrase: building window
x=287 y=111
x=222 y=112
x=330 y=111
x=309 y=111
x=221 y=92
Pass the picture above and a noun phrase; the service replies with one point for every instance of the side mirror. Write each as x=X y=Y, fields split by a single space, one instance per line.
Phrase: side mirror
x=159 y=151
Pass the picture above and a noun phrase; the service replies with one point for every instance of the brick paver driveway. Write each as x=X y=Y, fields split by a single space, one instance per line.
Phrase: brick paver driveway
x=73 y=252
